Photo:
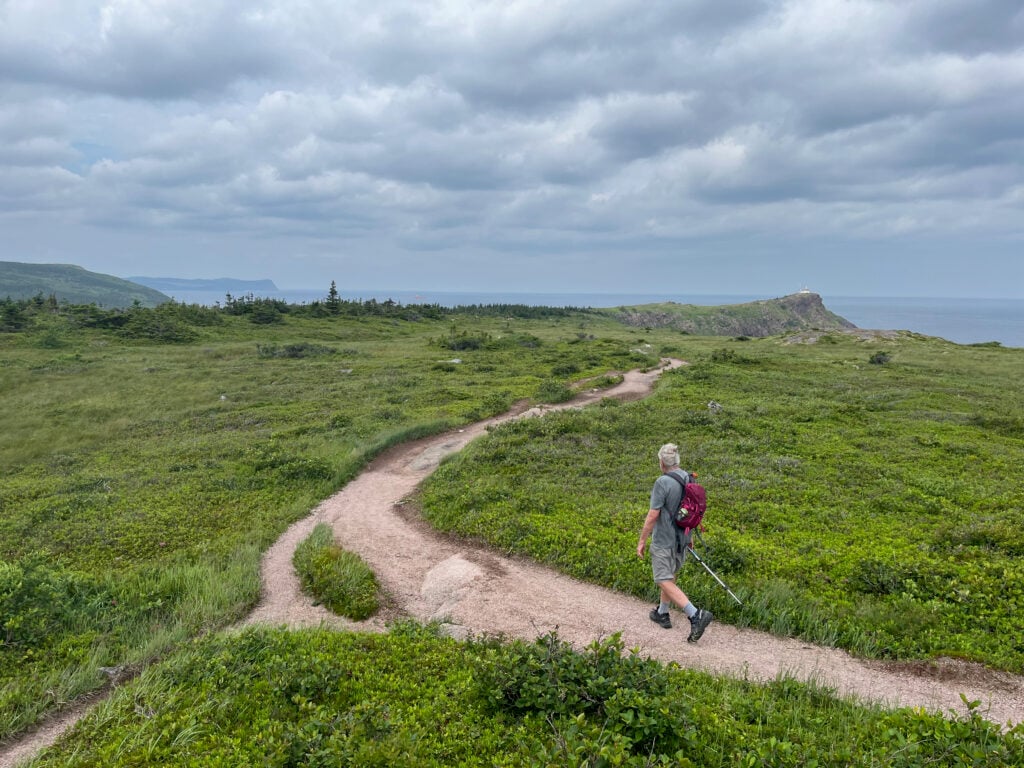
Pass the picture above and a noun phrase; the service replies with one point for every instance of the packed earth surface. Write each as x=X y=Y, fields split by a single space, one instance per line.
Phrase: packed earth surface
x=471 y=589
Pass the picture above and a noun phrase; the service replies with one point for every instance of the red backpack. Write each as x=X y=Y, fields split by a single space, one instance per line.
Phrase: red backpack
x=693 y=504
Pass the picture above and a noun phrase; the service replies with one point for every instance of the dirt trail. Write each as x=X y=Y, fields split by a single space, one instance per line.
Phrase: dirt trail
x=475 y=590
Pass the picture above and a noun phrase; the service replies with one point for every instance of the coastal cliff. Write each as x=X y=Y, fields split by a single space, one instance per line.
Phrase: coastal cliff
x=796 y=312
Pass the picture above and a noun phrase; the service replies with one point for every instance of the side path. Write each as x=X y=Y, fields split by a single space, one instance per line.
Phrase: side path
x=476 y=590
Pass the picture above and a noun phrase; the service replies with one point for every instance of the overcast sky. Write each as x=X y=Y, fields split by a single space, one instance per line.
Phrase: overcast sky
x=655 y=146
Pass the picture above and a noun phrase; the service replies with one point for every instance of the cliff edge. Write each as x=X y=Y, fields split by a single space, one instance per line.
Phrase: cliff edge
x=797 y=312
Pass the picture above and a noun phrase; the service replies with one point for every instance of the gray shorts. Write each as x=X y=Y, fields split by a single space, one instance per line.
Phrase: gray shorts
x=665 y=563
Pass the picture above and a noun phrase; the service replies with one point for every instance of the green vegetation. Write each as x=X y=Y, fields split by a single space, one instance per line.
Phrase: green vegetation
x=320 y=698
x=74 y=285
x=61 y=627
x=337 y=578
x=873 y=507
x=799 y=311
x=149 y=456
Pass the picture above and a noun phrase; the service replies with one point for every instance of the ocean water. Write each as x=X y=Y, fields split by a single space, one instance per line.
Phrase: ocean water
x=963 y=321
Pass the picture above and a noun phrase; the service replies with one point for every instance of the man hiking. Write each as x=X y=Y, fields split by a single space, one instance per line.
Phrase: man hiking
x=668 y=546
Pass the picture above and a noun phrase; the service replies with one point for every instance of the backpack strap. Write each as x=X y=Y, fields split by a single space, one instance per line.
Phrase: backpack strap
x=681 y=480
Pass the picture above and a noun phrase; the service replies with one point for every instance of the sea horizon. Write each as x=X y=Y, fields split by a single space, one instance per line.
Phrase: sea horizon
x=957 y=319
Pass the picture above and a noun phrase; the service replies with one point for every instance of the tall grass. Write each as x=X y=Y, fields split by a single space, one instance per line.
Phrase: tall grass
x=124 y=621
x=335 y=577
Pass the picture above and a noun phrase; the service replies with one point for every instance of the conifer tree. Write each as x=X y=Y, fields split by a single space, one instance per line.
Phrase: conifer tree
x=333 y=300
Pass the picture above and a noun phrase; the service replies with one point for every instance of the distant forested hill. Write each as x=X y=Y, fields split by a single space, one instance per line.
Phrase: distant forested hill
x=74 y=285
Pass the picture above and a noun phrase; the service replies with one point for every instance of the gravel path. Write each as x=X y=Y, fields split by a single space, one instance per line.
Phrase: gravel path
x=431 y=577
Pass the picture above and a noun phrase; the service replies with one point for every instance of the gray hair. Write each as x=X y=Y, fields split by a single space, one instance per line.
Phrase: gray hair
x=668 y=455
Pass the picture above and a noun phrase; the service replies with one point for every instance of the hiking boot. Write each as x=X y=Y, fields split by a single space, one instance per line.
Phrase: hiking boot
x=663 y=619
x=698 y=624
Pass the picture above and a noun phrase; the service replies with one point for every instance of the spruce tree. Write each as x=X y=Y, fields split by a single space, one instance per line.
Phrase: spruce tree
x=333 y=300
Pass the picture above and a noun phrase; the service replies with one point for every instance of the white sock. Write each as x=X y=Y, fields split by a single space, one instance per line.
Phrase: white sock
x=690 y=610
x=663 y=607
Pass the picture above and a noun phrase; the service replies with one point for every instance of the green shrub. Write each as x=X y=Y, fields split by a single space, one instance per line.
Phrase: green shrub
x=314 y=697
x=730 y=356
x=497 y=402
x=337 y=578
x=265 y=313
x=38 y=601
x=606 y=381
x=553 y=391
x=874 y=577
x=628 y=694
x=464 y=342
x=161 y=324
x=12 y=316
x=51 y=339
x=293 y=351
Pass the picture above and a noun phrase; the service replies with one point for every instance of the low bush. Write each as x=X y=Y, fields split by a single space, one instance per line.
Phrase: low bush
x=319 y=698
x=293 y=351
x=335 y=577
x=553 y=391
x=629 y=695
x=39 y=601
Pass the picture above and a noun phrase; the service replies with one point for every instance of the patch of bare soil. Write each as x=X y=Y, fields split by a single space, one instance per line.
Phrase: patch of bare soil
x=474 y=590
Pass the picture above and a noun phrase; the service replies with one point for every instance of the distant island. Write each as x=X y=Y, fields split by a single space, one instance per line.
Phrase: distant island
x=222 y=284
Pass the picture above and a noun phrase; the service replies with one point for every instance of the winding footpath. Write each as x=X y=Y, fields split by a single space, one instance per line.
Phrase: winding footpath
x=472 y=589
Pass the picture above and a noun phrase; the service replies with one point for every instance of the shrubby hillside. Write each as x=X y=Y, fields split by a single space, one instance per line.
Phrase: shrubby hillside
x=73 y=285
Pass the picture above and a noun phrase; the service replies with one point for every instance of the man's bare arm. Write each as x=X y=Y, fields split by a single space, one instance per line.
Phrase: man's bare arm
x=651 y=519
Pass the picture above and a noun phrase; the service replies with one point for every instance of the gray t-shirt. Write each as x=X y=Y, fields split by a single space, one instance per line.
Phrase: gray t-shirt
x=666 y=495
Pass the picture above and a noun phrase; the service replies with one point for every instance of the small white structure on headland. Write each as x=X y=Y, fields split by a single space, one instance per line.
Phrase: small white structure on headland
x=805 y=289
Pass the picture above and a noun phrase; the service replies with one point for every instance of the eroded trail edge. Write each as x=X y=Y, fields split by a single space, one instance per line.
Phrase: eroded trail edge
x=476 y=590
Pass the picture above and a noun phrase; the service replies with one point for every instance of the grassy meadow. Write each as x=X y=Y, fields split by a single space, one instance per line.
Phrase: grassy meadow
x=148 y=461
x=872 y=506
x=149 y=457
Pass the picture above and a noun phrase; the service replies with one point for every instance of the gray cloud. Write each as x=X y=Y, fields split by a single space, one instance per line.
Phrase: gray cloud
x=136 y=50
x=532 y=132
x=970 y=27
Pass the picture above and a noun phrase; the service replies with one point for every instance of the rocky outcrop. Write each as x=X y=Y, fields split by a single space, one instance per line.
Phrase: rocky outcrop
x=797 y=312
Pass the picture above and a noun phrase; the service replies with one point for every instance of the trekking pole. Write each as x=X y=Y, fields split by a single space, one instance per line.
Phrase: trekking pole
x=714 y=575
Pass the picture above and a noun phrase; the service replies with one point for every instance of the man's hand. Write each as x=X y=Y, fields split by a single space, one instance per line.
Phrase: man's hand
x=640 y=548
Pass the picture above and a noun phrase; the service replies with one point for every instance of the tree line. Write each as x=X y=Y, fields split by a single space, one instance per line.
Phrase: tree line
x=175 y=321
